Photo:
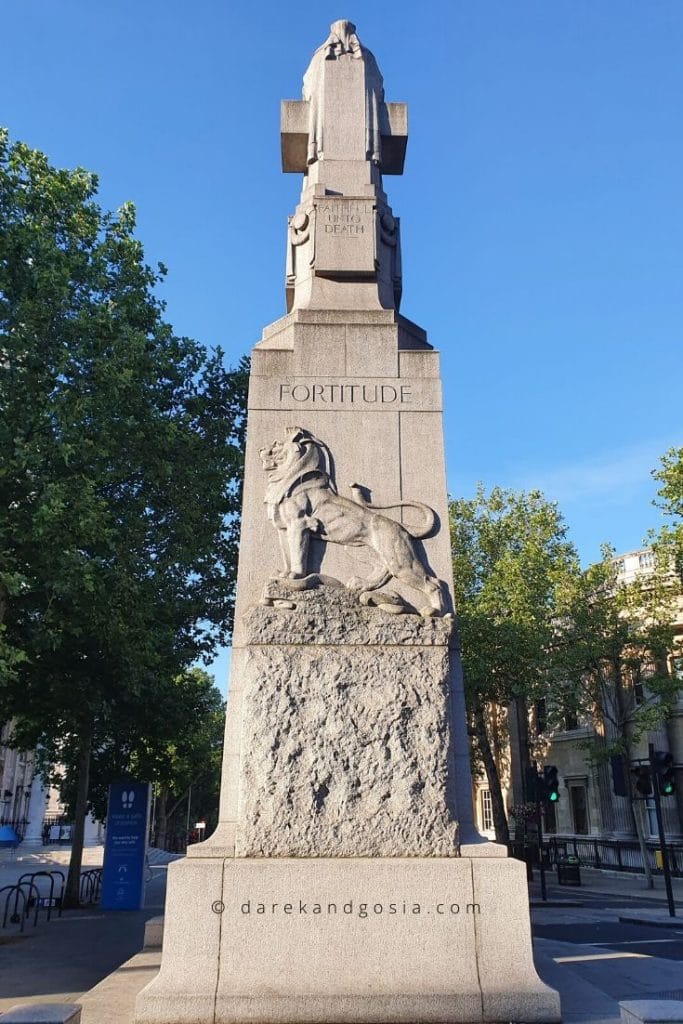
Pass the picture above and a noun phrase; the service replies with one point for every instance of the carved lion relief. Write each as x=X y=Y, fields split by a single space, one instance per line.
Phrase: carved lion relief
x=302 y=501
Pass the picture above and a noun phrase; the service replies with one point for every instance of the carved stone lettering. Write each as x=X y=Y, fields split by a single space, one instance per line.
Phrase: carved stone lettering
x=351 y=394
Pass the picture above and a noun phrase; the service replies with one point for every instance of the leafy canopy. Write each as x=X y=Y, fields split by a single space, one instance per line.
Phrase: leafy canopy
x=120 y=466
x=510 y=556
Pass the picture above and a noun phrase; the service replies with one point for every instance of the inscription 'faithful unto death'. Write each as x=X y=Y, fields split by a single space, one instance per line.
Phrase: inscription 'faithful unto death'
x=345 y=217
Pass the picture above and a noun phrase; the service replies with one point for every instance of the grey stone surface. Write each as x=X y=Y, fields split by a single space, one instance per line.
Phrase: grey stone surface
x=347 y=753
x=154 y=932
x=113 y=1000
x=304 y=504
x=343 y=246
x=354 y=958
x=346 y=776
x=190 y=947
x=334 y=615
x=45 y=1013
x=651 y=1011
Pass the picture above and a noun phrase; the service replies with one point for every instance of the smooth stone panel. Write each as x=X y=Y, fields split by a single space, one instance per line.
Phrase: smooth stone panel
x=335 y=393
x=354 y=959
x=510 y=987
x=191 y=946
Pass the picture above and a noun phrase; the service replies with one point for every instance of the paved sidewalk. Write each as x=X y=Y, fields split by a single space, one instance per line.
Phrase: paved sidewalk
x=592 y=978
x=594 y=882
x=43 y=858
x=62 y=959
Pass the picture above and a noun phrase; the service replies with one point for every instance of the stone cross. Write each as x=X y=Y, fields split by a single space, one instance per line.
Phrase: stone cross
x=345 y=881
x=343 y=137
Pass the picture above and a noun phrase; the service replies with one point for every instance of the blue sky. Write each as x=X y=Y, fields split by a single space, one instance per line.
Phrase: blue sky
x=541 y=212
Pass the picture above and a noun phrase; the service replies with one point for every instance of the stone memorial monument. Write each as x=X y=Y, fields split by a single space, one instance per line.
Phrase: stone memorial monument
x=345 y=881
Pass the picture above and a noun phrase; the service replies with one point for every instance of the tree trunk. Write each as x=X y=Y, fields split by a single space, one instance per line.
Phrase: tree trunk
x=73 y=882
x=500 y=823
x=520 y=751
x=161 y=836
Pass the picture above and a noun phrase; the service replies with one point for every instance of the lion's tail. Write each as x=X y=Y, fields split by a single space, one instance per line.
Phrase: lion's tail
x=418 y=532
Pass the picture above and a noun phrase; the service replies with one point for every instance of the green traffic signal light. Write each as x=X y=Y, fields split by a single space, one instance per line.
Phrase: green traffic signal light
x=663 y=764
x=551 y=783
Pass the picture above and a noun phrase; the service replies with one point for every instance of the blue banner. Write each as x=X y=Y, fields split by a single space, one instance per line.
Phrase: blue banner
x=125 y=847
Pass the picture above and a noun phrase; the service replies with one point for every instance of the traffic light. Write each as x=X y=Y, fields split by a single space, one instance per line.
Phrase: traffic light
x=642 y=780
x=663 y=764
x=551 y=784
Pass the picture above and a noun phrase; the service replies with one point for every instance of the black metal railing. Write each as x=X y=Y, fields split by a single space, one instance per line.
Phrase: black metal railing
x=611 y=854
x=57 y=829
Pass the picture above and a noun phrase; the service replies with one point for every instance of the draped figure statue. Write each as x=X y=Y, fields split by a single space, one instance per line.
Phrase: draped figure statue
x=343 y=41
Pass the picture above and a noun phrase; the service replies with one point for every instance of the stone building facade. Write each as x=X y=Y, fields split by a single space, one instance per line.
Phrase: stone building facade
x=588 y=805
x=17 y=770
x=30 y=805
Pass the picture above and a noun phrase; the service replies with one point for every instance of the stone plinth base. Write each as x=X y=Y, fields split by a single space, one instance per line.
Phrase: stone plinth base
x=347 y=940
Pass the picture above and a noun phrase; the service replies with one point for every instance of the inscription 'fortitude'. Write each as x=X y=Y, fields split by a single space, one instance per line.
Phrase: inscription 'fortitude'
x=360 y=394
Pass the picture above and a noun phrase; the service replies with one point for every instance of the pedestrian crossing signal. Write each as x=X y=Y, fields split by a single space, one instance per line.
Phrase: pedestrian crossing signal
x=663 y=764
x=551 y=783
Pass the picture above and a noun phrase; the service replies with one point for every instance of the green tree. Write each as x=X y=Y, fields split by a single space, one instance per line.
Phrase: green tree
x=185 y=767
x=120 y=465
x=510 y=558
x=612 y=644
x=174 y=742
x=668 y=543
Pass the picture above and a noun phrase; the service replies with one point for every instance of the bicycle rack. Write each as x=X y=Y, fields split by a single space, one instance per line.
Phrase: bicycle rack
x=52 y=900
x=90 y=885
x=17 y=917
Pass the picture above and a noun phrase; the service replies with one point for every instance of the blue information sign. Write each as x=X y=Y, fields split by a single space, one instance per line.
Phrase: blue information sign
x=123 y=876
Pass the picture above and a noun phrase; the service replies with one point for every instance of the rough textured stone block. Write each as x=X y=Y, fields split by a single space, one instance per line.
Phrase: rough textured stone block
x=357 y=769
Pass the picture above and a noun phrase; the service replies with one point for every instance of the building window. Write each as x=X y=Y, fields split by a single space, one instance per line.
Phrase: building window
x=620 y=566
x=677 y=668
x=486 y=811
x=579 y=805
x=646 y=560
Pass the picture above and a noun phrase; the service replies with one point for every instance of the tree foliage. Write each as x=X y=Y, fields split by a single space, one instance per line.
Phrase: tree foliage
x=613 y=640
x=120 y=461
x=173 y=741
x=668 y=543
x=510 y=558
